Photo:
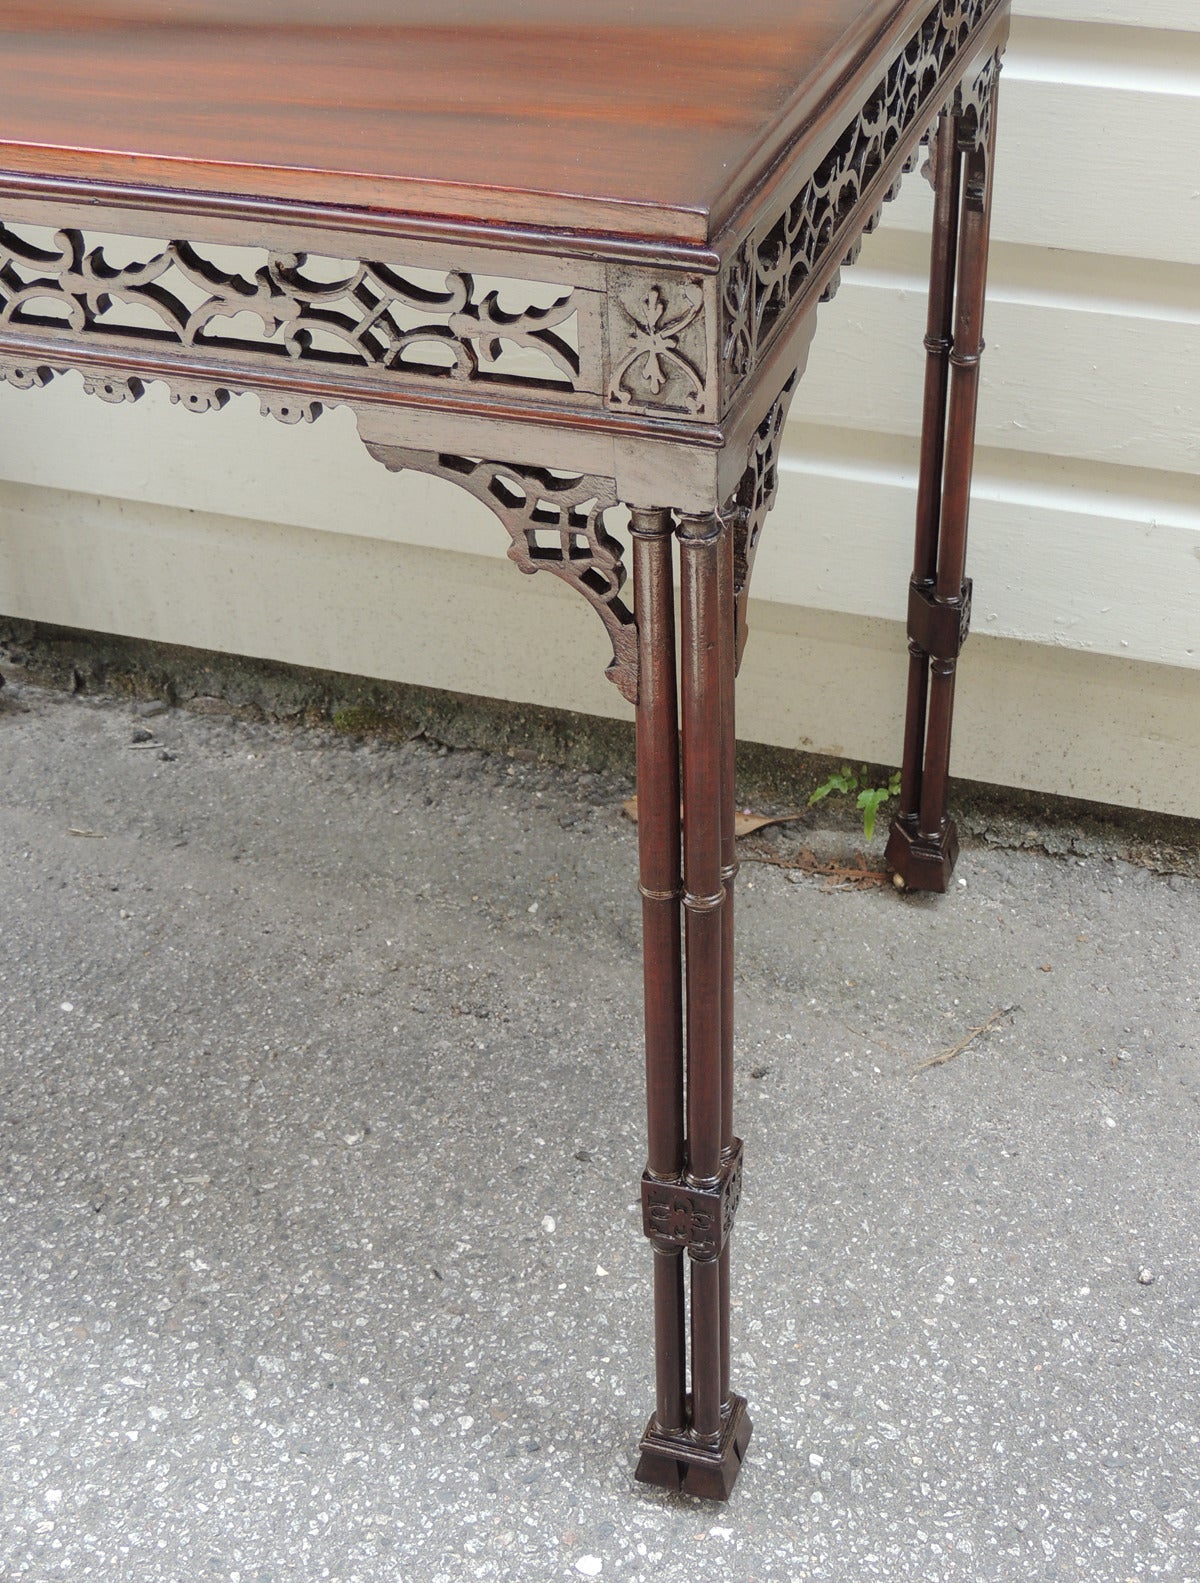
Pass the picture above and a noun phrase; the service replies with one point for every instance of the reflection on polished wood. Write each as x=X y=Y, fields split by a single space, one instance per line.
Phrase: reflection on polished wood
x=648 y=124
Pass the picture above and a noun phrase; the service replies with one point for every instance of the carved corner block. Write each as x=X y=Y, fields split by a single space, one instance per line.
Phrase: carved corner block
x=739 y=331
x=697 y=1217
x=659 y=329
x=938 y=627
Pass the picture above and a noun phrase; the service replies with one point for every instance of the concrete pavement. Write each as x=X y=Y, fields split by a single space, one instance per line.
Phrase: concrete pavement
x=320 y=1122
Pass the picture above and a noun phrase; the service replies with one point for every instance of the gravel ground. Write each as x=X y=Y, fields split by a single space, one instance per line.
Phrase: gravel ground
x=319 y=1251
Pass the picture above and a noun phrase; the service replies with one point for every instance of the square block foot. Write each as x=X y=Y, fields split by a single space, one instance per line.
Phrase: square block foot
x=919 y=862
x=679 y=1463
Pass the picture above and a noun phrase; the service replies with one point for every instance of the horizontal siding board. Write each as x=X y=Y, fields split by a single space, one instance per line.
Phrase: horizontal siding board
x=232 y=463
x=1183 y=15
x=1046 y=718
x=1137 y=288
x=1093 y=169
x=1149 y=60
x=1062 y=565
x=1053 y=567
x=334 y=601
x=1079 y=579
x=1094 y=385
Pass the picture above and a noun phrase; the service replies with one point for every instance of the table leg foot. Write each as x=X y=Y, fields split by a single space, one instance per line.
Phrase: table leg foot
x=680 y=1463
x=921 y=861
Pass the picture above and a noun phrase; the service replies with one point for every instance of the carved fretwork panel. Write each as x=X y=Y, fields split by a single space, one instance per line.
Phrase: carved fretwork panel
x=772 y=272
x=267 y=308
x=556 y=524
x=753 y=500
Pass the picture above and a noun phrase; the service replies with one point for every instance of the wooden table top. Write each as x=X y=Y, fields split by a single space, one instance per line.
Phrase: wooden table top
x=639 y=118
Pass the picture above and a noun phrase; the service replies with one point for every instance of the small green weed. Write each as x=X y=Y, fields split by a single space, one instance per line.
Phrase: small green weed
x=870 y=798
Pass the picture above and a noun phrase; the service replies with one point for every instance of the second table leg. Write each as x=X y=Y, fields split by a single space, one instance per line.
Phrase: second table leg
x=923 y=843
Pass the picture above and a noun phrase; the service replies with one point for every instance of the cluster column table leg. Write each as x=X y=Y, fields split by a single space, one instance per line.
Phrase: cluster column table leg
x=659 y=863
x=923 y=842
x=694 y=1211
x=703 y=901
x=726 y=624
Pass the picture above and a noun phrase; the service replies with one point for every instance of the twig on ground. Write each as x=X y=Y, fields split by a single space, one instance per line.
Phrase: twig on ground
x=837 y=876
x=975 y=1033
x=861 y=1033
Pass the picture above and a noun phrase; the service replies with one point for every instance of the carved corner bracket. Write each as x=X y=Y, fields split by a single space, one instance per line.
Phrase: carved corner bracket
x=752 y=502
x=974 y=111
x=555 y=522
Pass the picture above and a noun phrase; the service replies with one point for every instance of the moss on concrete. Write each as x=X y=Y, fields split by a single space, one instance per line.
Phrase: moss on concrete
x=770 y=778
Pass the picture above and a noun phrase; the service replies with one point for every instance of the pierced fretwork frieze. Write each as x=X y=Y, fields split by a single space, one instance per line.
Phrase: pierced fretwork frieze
x=774 y=267
x=291 y=307
x=195 y=395
x=556 y=524
x=753 y=500
x=974 y=107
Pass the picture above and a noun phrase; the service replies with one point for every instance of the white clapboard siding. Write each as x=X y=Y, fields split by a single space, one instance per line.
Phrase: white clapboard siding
x=1056 y=382
x=1147 y=60
x=232 y=463
x=309 y=597
x=232 y=533
x=1086 y=520
x=1029 y=714
x=1047 y=534
x=1092 y=169
x=1108 y=563
x=1052 y=719
x=1145 y=14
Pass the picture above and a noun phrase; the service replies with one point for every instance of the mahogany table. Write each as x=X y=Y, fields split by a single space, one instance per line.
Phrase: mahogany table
x=569 y=257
